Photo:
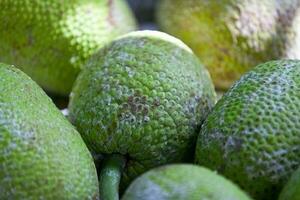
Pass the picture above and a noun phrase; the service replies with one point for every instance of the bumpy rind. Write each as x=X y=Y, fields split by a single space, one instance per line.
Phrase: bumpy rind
x=182 y=181
x=252 y=134
x=232 y=36
x=50 y=40
x=42 y=156
x=144 y=96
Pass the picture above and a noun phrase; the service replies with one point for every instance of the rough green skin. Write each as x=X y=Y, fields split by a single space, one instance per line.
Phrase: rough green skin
x=42 y=156
x=143 y=96
x=232 y=36
x=51 y=39
x=291 y=190
x=182 y=181
x=252 y=136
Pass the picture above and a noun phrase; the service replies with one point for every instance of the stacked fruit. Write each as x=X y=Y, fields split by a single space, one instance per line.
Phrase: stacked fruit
x=142 y=110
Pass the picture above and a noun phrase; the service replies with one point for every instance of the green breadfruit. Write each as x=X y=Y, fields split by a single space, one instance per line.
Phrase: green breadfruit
x=51 y=39
x=42 y=156
x=232 y=36
x=291 y=190
x=143 y=97
x=252 y=136
x=182 y=181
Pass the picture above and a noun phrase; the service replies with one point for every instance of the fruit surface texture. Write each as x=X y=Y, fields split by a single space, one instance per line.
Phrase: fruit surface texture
x=143 y=96
x=42 y=156
x=291 y=190
x=232 y=36
x=252 y=136
x=51 y=39
x=182 y=181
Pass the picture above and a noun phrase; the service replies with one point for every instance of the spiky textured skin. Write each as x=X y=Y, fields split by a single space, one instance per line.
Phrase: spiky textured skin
x=252 y=136
x=182 y=181
x=291 y=190
x=143 y=96
x=51 y=39
x=232 y=36
x=42 y=156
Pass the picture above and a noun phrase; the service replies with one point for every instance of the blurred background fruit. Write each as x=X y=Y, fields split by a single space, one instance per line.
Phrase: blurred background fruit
x=230 y=37
x=50 y=40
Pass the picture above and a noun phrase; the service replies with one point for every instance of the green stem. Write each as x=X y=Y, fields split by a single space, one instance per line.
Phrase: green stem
x=110 y=177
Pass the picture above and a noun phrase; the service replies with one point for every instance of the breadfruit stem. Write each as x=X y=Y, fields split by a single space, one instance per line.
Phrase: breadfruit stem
x=110 y=177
